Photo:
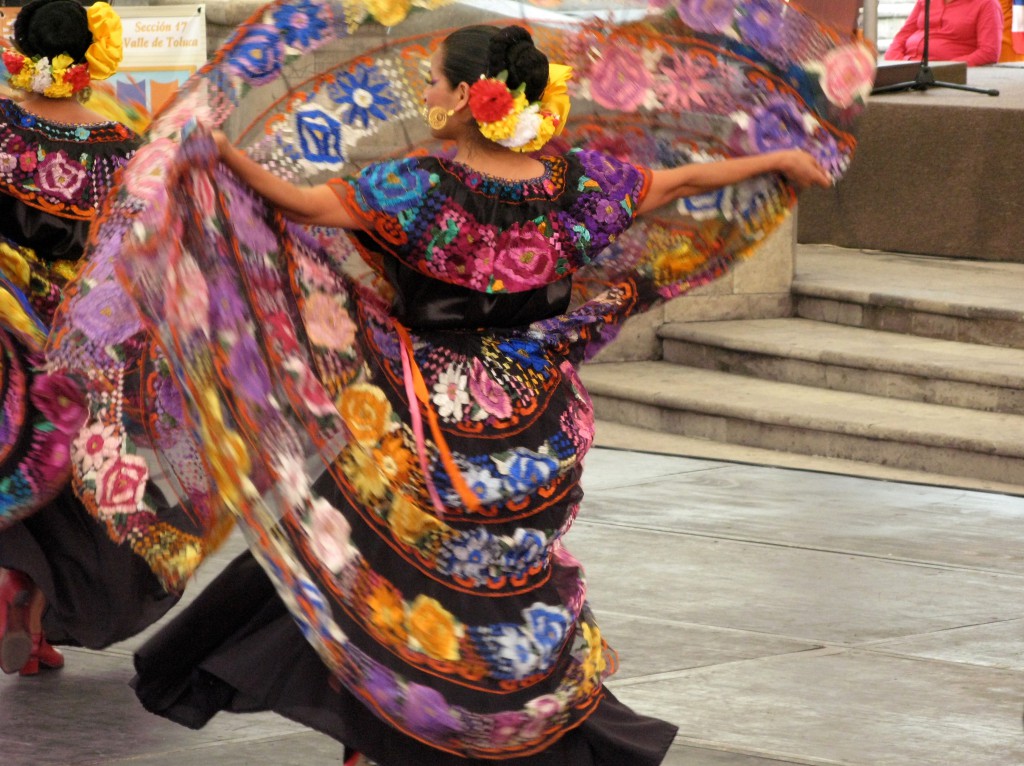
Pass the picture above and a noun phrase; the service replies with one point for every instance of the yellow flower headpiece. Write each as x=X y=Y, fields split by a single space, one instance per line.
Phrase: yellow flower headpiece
x=106 y=50
x=506 y=117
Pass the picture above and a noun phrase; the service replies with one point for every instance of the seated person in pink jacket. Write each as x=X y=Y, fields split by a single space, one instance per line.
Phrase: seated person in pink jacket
x=961 y=30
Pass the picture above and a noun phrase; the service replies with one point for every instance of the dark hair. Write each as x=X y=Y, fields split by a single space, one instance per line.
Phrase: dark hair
x=52 y=27
x=482 y=50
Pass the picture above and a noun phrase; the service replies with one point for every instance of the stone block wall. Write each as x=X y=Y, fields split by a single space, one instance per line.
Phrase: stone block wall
x=758 y=288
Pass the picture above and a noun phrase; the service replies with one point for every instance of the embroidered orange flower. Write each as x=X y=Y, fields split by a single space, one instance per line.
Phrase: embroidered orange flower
x=366 y=412
x=387 y=611
x=395 y=460
x=433 y=629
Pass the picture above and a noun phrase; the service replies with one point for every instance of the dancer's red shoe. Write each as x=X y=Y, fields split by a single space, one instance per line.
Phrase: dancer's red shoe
x=15 y=641
x=43 y=656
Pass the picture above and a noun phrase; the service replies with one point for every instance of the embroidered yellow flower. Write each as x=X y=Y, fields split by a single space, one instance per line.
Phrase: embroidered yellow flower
x=389 y=12
x=594 y=663
x=226 y=450
x=106 y=51
x=433 y=629
x=366 y=411
x=387 y=611
x=14 y=266
x=409 y=523
x=363 y=473
x=505 y=128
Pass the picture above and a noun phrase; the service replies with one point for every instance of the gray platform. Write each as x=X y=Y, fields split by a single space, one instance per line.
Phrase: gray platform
x=777 y=616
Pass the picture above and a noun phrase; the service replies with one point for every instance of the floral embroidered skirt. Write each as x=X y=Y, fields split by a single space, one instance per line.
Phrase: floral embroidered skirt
x=97 y=591
x=205 y=661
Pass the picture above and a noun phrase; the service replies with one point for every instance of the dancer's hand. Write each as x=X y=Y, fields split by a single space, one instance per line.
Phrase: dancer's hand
x=802 y=169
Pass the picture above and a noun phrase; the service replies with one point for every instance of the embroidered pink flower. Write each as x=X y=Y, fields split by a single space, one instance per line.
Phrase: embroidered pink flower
x=526 y=258
x=848 y=76
x=51 y=457
x=95 y=446
x=706 y=15
x=578 y=423
x=619 y=80
x=311 y=389
x=61 y=400
x=28 y=161
x=121 y=484
x=507 y=726
x=327 y=322
x=60 y=176
x=205 y=195
x=8 y=162
x=331 y=536
x=541 y=710
x=187 y=299
x=487 y=392
x=144 y=176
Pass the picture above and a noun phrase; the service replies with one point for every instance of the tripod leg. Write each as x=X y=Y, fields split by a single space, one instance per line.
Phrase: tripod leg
x=968 y=88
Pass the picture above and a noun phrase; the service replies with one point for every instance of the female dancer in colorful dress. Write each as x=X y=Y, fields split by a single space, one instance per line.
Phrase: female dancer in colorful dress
x=415 y=601
x=58 y=160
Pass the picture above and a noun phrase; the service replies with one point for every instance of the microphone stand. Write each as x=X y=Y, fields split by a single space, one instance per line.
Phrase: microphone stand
x=925 y=78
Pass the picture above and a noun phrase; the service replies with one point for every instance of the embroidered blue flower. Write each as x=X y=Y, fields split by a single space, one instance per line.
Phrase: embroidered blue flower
x=526 y=351
x=258 y=56
x=471 y=556
x=528 y=547
x=319 y=135
x=485 y=485
x=549 y=626
x=701 y=205
x=14 y=488
x=525 y=471
x=303 y=23
x=508 y=649
x=363 y=94
x=395 y=185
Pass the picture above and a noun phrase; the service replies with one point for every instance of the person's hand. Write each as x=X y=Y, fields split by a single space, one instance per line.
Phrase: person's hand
x=802 y=169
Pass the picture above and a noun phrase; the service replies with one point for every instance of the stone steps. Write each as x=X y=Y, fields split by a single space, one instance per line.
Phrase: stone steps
x=743 y=410
x=852 y=359
x=968 y=301
x=909 y=362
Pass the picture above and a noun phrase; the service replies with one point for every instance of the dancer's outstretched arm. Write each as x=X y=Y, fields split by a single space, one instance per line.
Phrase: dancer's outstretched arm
x=310 y=205
x=699 y=177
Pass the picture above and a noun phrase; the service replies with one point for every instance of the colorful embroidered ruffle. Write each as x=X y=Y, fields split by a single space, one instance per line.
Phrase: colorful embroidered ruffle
x=425 y=564
x=52 y=177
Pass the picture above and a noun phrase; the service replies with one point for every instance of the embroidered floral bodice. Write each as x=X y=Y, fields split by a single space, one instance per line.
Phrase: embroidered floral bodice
x=53 y=178
x=465 y=249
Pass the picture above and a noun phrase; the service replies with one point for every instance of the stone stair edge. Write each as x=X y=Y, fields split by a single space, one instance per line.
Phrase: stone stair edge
x=717 y=334
x=618 y=380
x=806 y=287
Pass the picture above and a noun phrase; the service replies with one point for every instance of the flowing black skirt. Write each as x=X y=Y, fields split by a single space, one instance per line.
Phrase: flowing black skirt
x=97 y=592
x=236 y=648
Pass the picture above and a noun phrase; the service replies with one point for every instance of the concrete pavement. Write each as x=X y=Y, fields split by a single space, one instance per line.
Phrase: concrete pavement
x=778 y=616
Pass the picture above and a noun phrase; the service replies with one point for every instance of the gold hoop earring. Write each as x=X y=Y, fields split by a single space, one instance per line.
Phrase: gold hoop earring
x=437 y=117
